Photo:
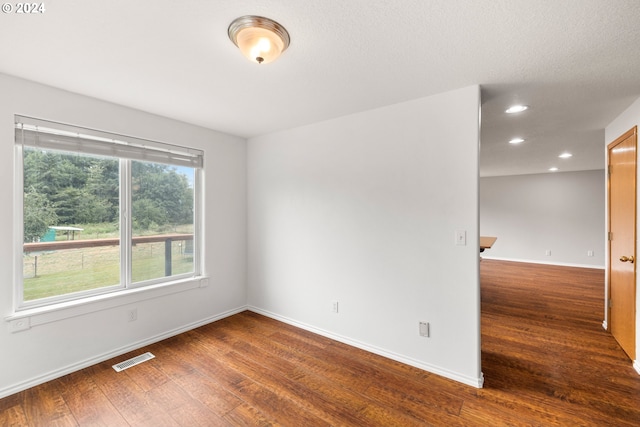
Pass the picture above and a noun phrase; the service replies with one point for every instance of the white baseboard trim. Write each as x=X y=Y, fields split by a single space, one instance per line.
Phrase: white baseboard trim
x=474 y=382
x=41 y=379
x=605 y=325
x=529 y=261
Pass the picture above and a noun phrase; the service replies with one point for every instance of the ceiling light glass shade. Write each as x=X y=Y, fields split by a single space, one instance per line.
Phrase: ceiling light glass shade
x=261 y=40
x=516 y=141
x=565 y=155
x=516 y=109
x=553 y=169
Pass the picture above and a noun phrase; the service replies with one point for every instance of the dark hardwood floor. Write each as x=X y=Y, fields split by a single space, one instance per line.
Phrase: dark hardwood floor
x=546 y=360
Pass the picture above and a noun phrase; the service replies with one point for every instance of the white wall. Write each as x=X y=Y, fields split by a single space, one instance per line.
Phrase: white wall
x=53 y=349
x=560 y=212
x=363 y=210
x=625 y=121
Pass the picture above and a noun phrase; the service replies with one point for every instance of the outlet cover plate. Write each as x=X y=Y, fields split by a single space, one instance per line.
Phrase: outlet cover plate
x=334 y=306
x=424 y=329
x=18 y=325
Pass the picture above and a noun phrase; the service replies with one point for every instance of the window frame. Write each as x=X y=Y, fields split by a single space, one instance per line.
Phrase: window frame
x=125 y=149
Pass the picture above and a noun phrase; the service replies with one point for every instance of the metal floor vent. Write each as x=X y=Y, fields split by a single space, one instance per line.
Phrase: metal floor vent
x=133 y=362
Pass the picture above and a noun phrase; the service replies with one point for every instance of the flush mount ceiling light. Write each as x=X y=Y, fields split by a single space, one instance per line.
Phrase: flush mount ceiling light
x=516 y=109
x=553 y=169
x=516 y=141
x=565 y=155
x=260 y=39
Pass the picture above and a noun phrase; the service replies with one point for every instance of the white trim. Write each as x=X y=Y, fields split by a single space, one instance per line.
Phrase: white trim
x=474 y=382
x=636 y=366
x=605 y=326
x=125 y=222
x=18 y=226
x=198 y=221
x=25 y=319
x=561 y=264
x=23 y=385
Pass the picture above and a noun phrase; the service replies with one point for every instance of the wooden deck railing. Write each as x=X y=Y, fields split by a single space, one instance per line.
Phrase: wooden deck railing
x=92 y=243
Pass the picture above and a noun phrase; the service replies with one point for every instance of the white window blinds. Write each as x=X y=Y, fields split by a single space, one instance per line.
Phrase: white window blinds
x=56 y=136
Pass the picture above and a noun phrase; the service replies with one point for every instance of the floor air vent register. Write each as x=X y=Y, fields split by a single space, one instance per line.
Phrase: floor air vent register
x=133 y=362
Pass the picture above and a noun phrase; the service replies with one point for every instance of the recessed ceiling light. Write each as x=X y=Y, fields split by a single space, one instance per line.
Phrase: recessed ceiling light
x=516 y=109
x=516 y=141
x=553 y=169
x=565 y=155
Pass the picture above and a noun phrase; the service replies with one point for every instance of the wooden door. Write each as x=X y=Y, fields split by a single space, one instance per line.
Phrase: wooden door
x=622 y=237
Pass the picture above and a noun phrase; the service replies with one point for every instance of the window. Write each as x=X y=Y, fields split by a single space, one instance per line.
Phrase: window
x=102 y=213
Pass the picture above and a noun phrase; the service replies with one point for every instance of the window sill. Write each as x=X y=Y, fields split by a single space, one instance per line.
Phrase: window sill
x=26 y=319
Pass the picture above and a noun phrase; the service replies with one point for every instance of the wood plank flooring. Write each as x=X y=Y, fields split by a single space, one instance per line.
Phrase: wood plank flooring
x=546 y=360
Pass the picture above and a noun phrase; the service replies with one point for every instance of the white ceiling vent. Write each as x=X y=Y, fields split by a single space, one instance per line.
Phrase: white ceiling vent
x=133 y=362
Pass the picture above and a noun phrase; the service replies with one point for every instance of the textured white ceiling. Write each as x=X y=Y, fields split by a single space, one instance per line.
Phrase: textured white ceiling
x=576 y=62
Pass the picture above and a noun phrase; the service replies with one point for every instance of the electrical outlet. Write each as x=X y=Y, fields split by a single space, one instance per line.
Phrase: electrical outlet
x=20 y=324
x=547 y=252
x=334 y=306
x=132 y=315
x=424 y=329
x=589 y=253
